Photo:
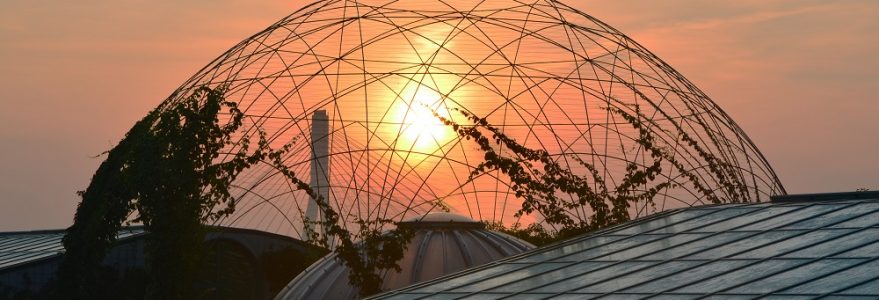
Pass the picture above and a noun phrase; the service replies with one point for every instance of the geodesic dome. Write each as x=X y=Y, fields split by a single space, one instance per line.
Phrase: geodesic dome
x=372 y=74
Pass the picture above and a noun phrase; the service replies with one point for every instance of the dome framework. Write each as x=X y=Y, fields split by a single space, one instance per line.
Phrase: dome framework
x=548 y=75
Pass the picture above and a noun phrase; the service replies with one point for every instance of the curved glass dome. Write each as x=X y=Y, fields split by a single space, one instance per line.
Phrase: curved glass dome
x=369 y=75
x=442 y=244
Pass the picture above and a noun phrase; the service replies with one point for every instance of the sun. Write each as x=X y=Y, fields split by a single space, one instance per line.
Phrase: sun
x=419 y=129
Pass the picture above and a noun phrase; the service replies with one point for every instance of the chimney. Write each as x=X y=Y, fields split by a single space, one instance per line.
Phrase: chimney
x=320 y=166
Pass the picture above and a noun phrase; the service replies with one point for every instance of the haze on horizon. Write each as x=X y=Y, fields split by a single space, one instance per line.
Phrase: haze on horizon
x=798 y=76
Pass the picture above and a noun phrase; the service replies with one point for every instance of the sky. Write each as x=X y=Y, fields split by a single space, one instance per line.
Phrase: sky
x=800 y=77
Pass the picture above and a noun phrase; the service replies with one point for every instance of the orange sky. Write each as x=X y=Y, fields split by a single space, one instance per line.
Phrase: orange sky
x=800 y=77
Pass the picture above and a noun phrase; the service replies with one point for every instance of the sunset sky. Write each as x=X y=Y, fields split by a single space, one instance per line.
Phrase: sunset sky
x=800 y=77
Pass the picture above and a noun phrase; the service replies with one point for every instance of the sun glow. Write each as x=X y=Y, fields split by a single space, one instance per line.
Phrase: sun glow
x=419 y=129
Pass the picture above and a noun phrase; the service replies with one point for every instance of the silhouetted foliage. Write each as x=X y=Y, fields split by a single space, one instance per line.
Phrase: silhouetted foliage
x=165 y=171
x=367 y=252
x=533 y=233
x=554 y=191
x=539 y=180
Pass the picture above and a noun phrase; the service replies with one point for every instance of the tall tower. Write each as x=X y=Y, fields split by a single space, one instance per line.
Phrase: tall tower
x=320 y=165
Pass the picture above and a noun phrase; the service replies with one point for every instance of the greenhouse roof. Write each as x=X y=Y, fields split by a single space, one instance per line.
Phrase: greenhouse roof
x=23 y=247
x=803 y=246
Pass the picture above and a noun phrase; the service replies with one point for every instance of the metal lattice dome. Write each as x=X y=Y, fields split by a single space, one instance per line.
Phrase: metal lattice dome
x=442 y=244
x=369 y=75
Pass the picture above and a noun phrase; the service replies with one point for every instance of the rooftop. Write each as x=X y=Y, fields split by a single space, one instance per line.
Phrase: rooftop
x=22 y=247
x=443 y=243
x=800 y=246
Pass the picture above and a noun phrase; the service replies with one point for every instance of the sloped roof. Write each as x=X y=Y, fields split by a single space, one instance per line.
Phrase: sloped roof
x=790 y=248
x=22 y=247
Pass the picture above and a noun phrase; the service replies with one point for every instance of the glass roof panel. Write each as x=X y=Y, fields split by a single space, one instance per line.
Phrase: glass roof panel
x=576 y=282
x=752 y=242
x=856 y=274
x=407 y=296
x=732 y=278
x=793 y=276
x=531 y=296
x=732 y=223
x=14 y=243
x=869 y=250
x=865 y=288
x=718 y=215
x=866 y=220
x=842 y=243
x=849 y=297
x=664 y=221
x=569 y=248
x=663 y=283
x=651 y=247
x=22 y=257
x=470 y=277
x=533 y=272
x=17 y=248
x=789 y=218
x=728 y=297
x=622 y=282
x=705 y=244
x=794 y=242
x=674 y=297
x=445 y=296
x=835 y=216
x=618 y=245
x=620 y=296
x=787 y=297
x=480 y=296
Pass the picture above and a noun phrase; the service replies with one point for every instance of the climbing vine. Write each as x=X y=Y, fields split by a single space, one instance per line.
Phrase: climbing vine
x=555 y=191
x=367 y=252
x=171 y=174
x=164 y=174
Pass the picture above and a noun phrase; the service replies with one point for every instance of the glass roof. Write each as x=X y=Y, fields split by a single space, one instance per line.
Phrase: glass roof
x=18 y=248
x=776 y=250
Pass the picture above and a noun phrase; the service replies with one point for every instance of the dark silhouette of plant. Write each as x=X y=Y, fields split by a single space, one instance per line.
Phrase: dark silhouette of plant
x=165 y=170
x=367 y=252
x=730 y=186
x=555 y=191
x=534 y=233
x=539 y=180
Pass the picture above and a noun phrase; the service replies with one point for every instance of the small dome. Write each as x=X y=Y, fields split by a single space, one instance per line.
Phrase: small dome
x=443 y=243
x=443 y=218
